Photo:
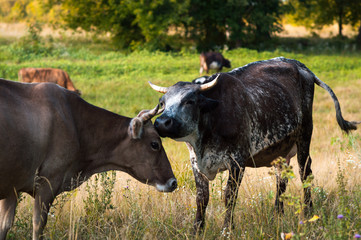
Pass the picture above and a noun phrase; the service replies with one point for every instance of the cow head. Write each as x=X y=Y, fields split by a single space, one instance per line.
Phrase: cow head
x=182 y=105
x=156 y=169
x=78 y=92
x=227 y=63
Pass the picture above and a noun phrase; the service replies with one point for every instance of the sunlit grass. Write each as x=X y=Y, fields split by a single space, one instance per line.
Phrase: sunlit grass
x=118 y=82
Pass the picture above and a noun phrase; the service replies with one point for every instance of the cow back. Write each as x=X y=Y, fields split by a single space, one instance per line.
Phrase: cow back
x=258 y=102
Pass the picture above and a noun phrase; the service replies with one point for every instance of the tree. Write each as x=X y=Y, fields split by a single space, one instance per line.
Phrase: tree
x=317 y=13
x=162 y=24
x=263 y=18
x=235 y=23
x=355 y=19
x=132 y=23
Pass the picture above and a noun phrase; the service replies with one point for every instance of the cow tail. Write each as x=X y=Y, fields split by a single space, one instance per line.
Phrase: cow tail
x=344 y=125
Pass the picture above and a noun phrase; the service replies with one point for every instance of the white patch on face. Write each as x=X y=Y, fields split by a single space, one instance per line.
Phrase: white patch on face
x=200 y=80
x=161 y=187
x=214 y=65
x=173 y=109
x=173 y=102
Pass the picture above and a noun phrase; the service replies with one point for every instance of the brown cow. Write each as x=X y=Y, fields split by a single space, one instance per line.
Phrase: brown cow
x=54 y=75
x=52 y=140
x=213 y=60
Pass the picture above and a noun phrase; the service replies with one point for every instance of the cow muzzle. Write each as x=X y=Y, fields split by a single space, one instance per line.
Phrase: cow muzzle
x=170 y=186
x=167 y=127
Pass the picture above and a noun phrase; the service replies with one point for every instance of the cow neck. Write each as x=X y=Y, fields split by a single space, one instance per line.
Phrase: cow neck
x=101 y=132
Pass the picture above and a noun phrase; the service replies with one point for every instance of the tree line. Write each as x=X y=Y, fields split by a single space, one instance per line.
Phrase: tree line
x=173 y=24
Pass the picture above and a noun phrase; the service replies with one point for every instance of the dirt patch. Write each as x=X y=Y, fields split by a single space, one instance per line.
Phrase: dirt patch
x=18 y=30
x=290 y=30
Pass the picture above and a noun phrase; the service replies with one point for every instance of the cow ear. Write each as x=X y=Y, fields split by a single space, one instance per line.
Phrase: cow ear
x=135 y=128
x=207 y=104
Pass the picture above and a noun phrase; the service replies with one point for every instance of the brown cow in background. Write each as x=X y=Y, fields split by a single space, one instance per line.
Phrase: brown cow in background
x=213 y=60
x=54 y=75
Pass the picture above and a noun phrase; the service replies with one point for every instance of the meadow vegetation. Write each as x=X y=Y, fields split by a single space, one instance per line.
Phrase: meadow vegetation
x=115 y=206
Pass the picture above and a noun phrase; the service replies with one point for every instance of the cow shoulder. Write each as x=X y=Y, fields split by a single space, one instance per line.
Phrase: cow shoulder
x=229 y=118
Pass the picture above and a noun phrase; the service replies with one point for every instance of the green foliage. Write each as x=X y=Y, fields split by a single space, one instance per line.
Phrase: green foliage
x=317 y=13
x=160 y=24
x=99 y=198
x=133 y=24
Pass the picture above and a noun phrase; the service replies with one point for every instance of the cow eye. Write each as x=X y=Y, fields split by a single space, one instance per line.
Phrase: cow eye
x=190 y=102
x=155 y=146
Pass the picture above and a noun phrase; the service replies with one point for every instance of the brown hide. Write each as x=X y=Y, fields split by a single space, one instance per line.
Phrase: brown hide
x=212 y=60
x=52 y=140
x=37 y=75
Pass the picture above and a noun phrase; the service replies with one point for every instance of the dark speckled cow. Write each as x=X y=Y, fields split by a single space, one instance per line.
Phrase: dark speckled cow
x=247 y=117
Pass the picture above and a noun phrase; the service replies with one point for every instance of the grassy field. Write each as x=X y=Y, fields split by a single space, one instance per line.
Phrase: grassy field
x=118 y=82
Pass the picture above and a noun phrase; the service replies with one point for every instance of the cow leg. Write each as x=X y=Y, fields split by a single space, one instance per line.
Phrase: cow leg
x=304 y=163
x=44 y=197
x=281 y=188
x=202 y=198
x=231 y=193
x=282 y=182
x=7 y=213
x=202 y=186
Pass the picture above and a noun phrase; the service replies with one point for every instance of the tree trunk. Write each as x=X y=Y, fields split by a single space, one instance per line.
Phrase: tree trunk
x=358 y=38
x=340 y=24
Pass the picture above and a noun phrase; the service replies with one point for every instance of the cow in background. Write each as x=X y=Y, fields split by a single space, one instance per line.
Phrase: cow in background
x=54 y=75
x=212 y=60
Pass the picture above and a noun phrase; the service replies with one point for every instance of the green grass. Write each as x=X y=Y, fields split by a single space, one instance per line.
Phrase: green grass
x=118 y=82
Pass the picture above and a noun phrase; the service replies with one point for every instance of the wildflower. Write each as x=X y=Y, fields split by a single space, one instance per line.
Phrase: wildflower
x=287 y=236
x=314 y=218
x=301 y=222
x=357 y=236
x=340 y=216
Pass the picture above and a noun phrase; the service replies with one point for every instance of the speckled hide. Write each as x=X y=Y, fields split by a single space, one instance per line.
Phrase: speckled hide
x=251 y=116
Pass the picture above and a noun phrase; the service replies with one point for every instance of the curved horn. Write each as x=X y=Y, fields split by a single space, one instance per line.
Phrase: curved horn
x=209 y=85
x=158 y=88
x=145 y=115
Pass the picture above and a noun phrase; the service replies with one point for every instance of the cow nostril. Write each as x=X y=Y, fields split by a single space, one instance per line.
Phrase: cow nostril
x=168 y=122
x=173 y=184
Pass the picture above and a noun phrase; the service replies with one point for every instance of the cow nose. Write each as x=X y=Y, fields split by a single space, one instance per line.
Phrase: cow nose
x=168 y=122
x=167 y=127
x=162 y=122
x=164 y=125
x=170 y=186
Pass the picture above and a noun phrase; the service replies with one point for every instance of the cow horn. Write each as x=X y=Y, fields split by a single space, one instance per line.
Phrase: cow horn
x=209 y=85
x=145 y=115
x=158 y=88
